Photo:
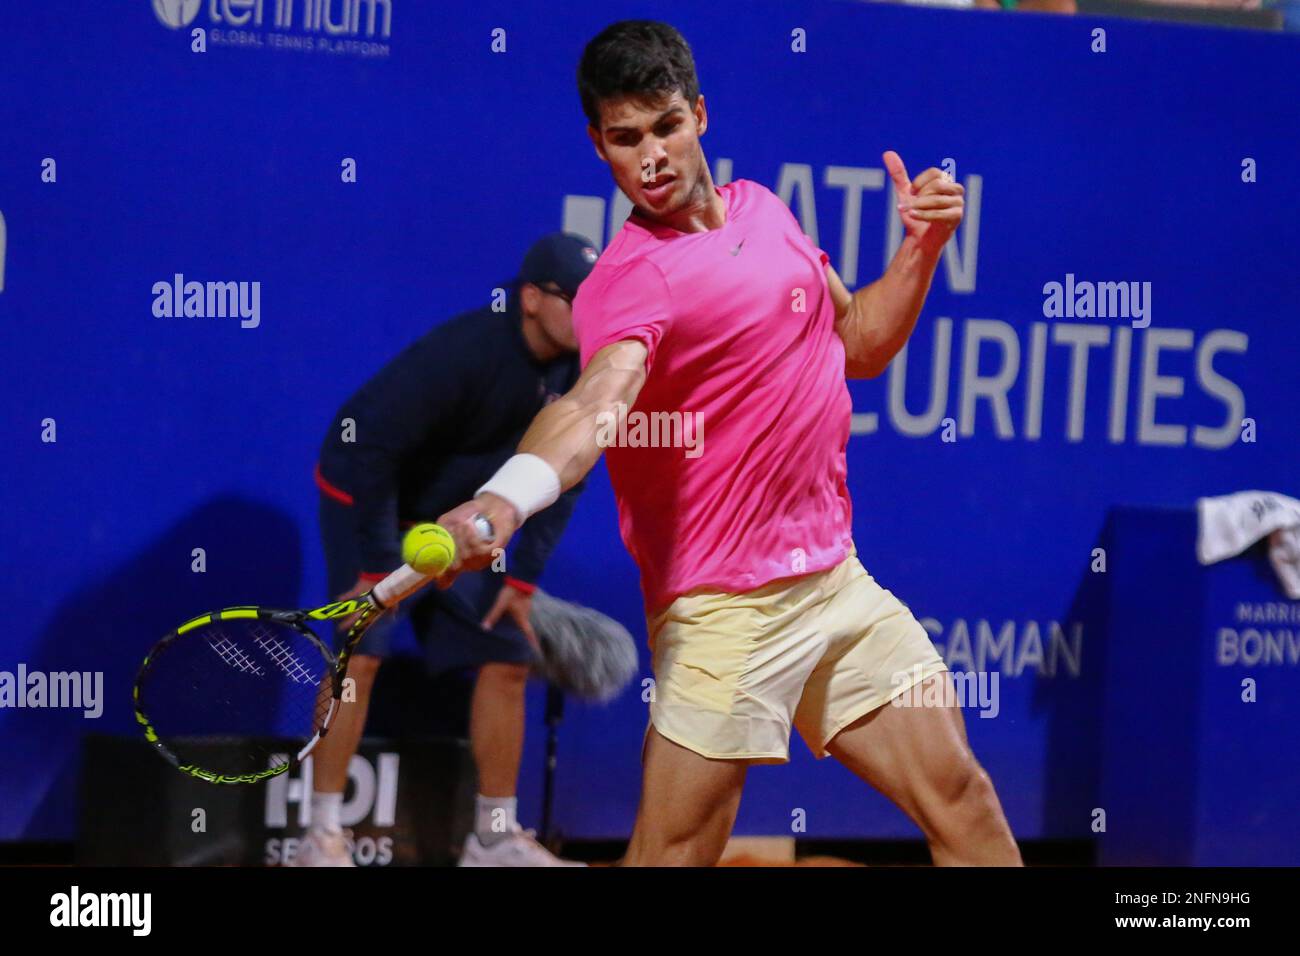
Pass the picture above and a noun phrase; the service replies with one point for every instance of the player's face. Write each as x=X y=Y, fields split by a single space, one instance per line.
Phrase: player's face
x=654 y=152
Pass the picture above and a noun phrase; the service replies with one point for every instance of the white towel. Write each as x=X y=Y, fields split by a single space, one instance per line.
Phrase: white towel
x=1229 y=524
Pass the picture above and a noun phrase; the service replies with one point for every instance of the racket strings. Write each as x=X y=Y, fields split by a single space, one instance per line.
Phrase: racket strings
x=225 y=696
x=283 y=657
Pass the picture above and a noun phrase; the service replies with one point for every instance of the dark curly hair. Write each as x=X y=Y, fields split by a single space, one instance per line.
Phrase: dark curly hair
x=642 y=59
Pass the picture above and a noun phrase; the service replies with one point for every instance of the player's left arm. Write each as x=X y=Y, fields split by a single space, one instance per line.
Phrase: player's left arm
x=876 y=320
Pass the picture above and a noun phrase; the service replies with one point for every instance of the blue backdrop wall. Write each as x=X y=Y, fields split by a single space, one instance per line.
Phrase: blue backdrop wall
x=983 y=465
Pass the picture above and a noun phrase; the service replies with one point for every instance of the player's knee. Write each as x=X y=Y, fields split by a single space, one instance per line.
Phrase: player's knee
x=969 y=817
x=963 y=784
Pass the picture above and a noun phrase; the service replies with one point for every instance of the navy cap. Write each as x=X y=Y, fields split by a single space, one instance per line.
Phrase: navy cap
x=560 y=257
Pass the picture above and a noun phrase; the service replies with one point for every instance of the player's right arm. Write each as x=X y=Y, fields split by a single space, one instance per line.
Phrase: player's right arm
x=564 y=433
x=560 y=447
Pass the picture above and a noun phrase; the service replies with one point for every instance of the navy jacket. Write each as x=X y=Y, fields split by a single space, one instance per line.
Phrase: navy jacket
x=434 y=424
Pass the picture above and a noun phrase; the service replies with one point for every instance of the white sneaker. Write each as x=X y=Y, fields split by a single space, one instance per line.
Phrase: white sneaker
x=321 y=847
x=519 y=848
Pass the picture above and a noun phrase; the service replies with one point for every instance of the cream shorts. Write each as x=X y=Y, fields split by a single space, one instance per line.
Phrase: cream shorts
x=734 y=671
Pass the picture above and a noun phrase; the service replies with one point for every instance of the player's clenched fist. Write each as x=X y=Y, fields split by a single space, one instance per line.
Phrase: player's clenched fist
x=930 y=205
x=474 y=550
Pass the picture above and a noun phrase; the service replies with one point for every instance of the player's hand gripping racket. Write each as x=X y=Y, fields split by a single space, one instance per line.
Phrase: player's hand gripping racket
x=212 y=694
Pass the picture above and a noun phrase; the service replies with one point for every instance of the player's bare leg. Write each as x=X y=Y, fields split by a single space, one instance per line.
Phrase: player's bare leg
x=920 y=759
x=688 y=806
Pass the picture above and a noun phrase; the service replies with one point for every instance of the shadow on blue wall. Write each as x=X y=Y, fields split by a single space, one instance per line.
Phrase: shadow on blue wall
x=252 y=556
x=1073 y=707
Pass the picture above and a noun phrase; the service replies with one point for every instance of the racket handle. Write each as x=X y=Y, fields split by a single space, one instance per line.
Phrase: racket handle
x=398 y=585
x=405 y=581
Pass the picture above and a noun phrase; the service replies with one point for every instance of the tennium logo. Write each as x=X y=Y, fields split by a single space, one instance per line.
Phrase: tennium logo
x=177 y=13
x=348 y=27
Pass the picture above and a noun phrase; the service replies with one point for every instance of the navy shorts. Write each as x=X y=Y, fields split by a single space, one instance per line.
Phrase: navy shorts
x=445 y=622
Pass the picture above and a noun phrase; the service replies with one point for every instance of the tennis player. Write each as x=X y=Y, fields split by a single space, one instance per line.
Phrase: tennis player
x=422 y=434
x=711 y=302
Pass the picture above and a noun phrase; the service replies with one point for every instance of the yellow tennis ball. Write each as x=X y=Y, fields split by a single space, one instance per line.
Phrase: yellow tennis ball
x=429 y=548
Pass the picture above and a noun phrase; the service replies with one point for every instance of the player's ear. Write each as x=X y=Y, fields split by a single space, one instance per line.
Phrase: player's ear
x=701 y=115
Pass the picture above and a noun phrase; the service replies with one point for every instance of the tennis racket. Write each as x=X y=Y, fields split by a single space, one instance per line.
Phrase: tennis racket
x=212 y=693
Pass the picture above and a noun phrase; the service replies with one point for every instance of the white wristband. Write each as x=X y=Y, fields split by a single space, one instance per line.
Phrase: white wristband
x=527 y=482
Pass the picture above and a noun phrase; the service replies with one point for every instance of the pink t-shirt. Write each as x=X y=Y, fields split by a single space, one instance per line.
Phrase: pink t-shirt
x=740 y=329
